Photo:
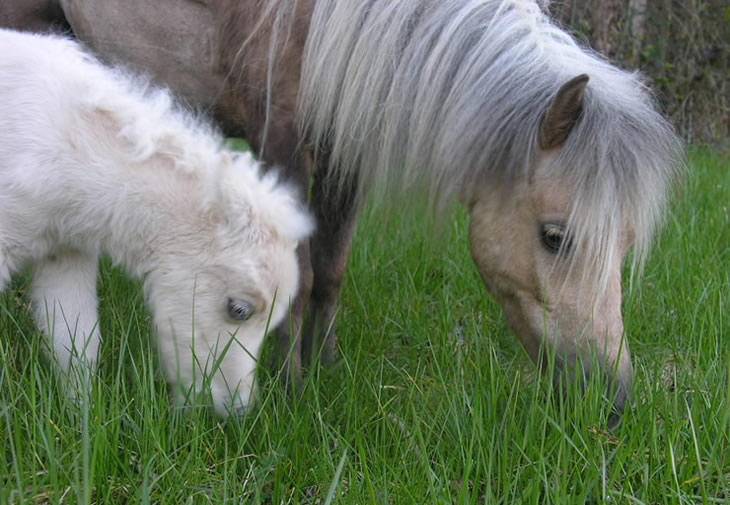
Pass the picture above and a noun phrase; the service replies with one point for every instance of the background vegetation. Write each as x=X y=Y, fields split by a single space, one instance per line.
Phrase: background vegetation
x=682 y=47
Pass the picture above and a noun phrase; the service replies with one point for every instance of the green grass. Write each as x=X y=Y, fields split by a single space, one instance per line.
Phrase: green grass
x=432 y=402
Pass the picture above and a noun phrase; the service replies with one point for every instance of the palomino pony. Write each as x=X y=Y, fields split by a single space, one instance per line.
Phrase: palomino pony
x=92 y=161
x=561 y=158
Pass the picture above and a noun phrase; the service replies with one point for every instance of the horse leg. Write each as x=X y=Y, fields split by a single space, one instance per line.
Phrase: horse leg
x=63 y=293
x=336 y=215
x=288 y=354
x=282 y=153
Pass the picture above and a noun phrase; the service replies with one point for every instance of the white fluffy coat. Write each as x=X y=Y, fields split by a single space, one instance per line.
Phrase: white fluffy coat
x=95 y=161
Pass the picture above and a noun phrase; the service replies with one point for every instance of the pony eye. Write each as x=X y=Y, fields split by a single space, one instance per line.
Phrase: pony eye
x=240 y=309
x=553 y=237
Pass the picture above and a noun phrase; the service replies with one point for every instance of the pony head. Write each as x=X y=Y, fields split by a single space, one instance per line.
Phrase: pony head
x=552 y=251
x=215 y=295
x=562 y=158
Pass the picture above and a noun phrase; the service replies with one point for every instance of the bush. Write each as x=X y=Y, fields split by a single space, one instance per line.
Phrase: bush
x=681 y=46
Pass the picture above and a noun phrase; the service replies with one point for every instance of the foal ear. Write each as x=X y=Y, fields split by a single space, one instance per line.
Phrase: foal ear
x=563 y=113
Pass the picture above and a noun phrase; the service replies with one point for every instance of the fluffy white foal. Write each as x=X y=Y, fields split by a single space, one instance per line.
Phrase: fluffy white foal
x=93 y=161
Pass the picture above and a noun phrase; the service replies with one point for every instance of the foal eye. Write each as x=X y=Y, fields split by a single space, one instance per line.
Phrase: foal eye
x=240 y=309
x=553 y=237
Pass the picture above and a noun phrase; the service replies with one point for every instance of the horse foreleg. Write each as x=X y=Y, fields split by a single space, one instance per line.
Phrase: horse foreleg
x=288 y=333
x=294 y=168
x=276 y=142
x=63 y=293
x=336 y=216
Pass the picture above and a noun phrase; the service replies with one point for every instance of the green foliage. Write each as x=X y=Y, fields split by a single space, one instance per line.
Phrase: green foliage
x=681 y=46
x=432 y=400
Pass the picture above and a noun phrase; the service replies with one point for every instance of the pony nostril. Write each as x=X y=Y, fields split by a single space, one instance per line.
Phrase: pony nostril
x=239 y=411
x=618 y=391
x=572 y=376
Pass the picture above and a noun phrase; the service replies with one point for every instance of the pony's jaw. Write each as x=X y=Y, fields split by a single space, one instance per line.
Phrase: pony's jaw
x=547 y=304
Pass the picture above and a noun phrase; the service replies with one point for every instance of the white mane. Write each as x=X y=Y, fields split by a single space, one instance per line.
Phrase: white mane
x=138 y=126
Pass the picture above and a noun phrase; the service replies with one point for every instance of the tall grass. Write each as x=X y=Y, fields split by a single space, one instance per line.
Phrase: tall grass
x=432 y=401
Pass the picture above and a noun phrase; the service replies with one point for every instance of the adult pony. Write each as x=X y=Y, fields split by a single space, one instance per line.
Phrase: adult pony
x=93 y=161
x=562 y=159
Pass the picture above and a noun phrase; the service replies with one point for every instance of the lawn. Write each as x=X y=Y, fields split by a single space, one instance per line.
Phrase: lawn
x=432 y=401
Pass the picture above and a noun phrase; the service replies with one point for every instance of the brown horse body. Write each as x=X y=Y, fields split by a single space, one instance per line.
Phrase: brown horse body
x=241 y=62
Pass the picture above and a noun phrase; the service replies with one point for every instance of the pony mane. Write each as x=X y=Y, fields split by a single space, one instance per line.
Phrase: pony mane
x=445 y=96
x=277 y=206
x=143 y=125
x=147 y=119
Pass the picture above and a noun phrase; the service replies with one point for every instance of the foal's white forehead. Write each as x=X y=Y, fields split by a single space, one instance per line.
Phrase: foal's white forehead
x=267 y=269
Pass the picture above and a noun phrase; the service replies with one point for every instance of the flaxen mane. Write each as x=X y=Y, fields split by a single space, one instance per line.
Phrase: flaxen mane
x=441 y=96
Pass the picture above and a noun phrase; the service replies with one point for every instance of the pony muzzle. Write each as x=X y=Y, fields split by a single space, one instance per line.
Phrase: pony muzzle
x=591 y=374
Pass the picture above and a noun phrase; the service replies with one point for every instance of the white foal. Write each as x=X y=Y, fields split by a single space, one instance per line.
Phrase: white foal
x=93 y=161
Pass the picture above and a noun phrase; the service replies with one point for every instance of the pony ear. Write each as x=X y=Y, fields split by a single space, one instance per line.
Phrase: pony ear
x=563 y=113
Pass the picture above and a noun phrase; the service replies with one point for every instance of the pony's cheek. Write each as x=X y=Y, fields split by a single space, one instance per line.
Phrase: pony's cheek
x=522 y=322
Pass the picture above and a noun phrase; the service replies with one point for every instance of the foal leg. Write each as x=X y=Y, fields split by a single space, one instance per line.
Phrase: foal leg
x=336 y=216
x=63 y=293
x=5 y=270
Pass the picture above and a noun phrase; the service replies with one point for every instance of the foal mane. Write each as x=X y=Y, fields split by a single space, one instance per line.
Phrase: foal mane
x=446 y=96
x=146 y=129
